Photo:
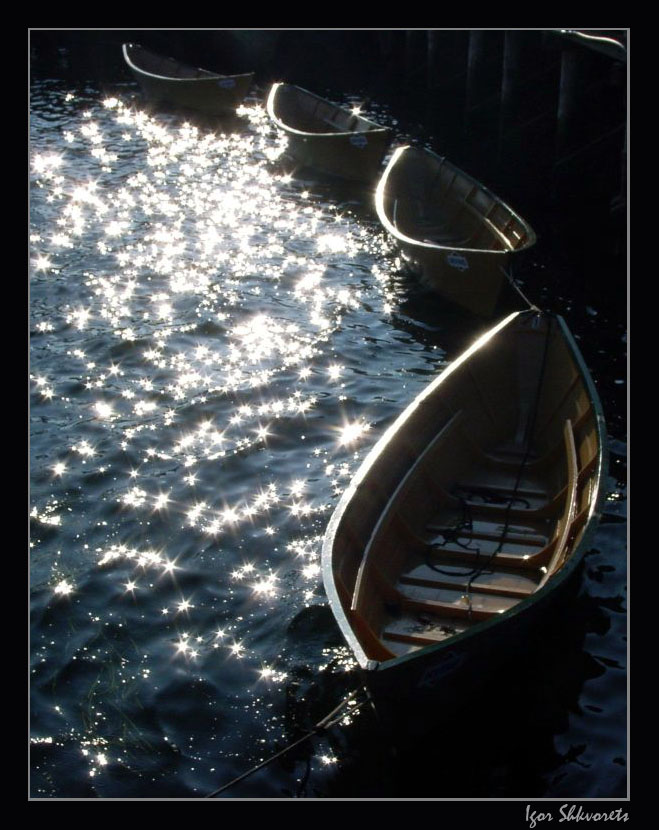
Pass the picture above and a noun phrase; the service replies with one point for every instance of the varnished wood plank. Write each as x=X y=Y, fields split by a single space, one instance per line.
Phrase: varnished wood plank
x=541 y=515
x=527 y=496
x=493 y=531
x=473 y=545
x=451 y=576
x=452 y=603
x=420 y=630
x=509 y=557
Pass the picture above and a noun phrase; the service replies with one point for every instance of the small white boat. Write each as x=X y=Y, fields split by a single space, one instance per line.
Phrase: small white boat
x=172 y=82
x=326 y=137
x=453 y=230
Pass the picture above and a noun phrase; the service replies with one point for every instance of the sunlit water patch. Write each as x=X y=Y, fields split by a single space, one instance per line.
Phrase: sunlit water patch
x=191 y=427
x=215 y=345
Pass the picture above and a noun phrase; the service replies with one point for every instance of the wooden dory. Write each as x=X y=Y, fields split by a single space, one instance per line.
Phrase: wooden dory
x=327 y=137
x=456 y=233
x=172 y=82
x=466 y=520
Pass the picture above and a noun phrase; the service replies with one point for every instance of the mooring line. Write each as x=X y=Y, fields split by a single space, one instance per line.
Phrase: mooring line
x=509 y=277
x=329 y=720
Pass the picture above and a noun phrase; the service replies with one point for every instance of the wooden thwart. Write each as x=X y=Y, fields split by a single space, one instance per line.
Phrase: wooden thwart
x=500 y=582
x=493 y=533
x=416 y=630
x=450 y=603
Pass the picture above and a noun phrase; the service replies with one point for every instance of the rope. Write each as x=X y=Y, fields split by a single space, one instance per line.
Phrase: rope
x=451 y=534
x=329 y=720
x=509 y=277
x=529 y=436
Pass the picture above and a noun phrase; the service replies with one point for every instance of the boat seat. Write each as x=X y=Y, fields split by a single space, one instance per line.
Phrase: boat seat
x=498 y=492
x=450 y=603
x=513 y=557
x=435 y=573
x=416 y=630
x=536 y=508
x=491 y=531
x=489 y=503
x=443 y=589
x=447 y=602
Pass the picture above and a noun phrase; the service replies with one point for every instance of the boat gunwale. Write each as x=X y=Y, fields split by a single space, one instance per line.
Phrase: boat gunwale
x=208 y=76
x=434 y=246
x=378 y=129
x=573 y=562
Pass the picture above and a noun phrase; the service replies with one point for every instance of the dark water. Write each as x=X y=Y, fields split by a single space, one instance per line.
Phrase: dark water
x=215 y=345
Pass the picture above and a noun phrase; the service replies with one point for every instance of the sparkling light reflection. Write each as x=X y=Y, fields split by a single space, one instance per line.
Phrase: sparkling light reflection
x=190 y=293
x=350 y=433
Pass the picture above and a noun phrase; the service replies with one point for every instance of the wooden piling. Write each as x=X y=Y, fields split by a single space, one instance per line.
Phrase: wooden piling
x=568 y=99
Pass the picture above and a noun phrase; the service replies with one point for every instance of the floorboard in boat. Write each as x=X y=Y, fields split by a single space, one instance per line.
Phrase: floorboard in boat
x=466 y=547
x=446 y=575
x=498 y=485
x=524 y=499
x=411 y=631
x=450 y=600
x=511 y=454
x=482 y=528
x=472 y=557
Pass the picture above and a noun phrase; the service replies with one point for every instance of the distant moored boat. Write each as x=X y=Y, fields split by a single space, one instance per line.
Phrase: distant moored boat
x=170 y=81
x=326 y=137
x=456 y=232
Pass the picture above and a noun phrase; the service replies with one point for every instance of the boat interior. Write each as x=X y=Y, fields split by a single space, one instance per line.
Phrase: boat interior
x=306 y=112
x=163 y=66
x=499 y=482
x=432 y=201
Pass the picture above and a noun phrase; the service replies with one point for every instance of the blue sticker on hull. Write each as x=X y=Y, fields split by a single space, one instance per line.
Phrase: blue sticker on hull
x=457 y=261
x=359 y=140
x=227 y=83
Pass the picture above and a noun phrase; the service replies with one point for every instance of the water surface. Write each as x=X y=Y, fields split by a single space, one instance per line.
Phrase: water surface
x=215 y=345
